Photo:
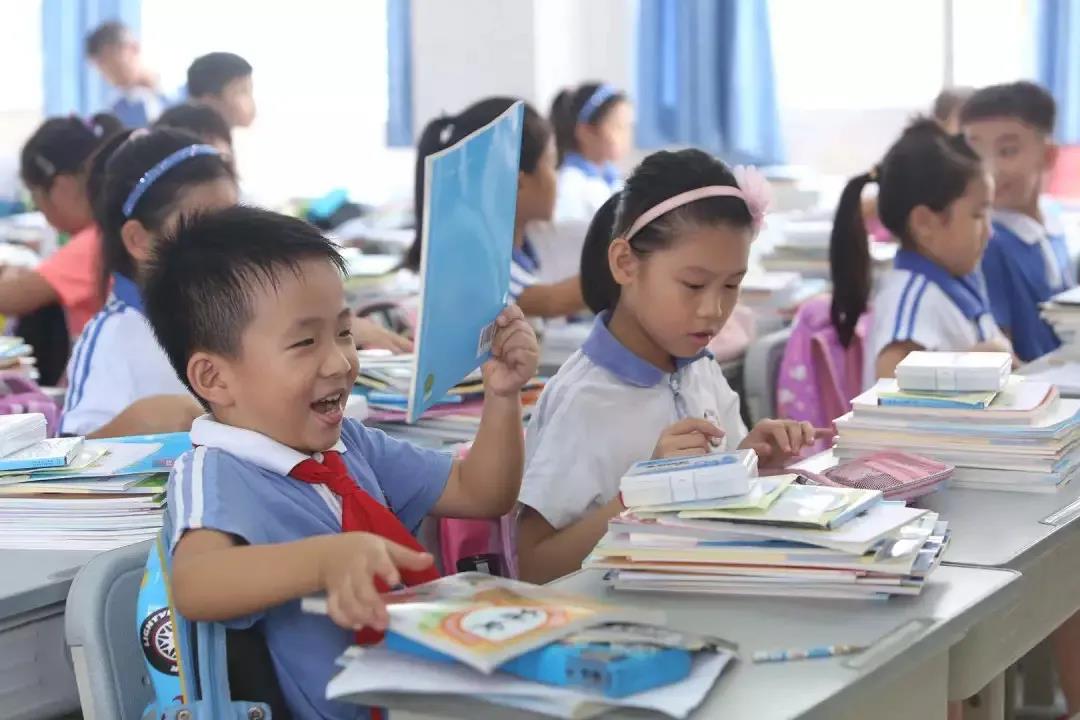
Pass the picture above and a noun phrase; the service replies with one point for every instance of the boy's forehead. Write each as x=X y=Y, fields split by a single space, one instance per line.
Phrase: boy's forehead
x=313 y=283
x=999 y=128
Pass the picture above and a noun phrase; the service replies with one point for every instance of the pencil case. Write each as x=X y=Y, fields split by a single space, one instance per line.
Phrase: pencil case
x=898 y=475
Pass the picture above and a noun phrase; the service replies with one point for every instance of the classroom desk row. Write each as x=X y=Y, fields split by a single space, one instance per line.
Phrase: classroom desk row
x=1008 y=581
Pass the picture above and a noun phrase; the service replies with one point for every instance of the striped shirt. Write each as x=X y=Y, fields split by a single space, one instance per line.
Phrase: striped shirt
x=524 y=266
x=116 y=361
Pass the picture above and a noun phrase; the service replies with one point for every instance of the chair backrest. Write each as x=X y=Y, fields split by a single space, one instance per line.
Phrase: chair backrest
x=109 y=667
x=761 y=368
x=818 y=375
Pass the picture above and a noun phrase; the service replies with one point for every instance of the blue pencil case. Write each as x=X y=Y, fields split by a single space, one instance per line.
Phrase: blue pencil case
x=613 y=670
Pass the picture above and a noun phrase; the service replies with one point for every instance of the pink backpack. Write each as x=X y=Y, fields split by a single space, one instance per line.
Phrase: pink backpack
x=819 y=376
x=19 y=394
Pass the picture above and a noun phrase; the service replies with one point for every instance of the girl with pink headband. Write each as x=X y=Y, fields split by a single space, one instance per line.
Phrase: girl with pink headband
x=661 y=267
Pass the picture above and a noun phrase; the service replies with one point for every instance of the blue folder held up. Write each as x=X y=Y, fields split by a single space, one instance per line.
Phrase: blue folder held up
x=470 y=200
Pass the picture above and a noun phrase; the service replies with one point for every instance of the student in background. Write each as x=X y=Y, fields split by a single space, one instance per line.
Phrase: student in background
x=202 y=121
x=535 y=201
x=120 y=382
x=946 y=108
x=117 y=56
x=934 y=197
x=223 y=81
x=1027 y=261
x=593 y=132
x=664 y=276
x=53 y=168
x=283 y=497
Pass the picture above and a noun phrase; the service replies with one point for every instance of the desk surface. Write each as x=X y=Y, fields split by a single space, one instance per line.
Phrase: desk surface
x=954 y=599
x=34 y=579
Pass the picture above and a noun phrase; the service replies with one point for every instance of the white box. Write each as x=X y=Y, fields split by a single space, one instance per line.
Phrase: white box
x=954 y=372
x=705 y=477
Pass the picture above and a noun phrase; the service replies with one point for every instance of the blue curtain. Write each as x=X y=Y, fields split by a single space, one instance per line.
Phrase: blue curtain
x=72 y=85
x=399 y=120
x=1057 y=43
x=705 y=78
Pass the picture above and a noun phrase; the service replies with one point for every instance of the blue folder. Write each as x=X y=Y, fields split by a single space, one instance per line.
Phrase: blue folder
x=470 y=200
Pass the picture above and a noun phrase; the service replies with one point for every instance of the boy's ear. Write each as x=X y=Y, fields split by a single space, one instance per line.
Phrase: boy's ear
x=209 y=376
x=622 y=261
x=1050 y=154
x=922 y=222
x=137 y=240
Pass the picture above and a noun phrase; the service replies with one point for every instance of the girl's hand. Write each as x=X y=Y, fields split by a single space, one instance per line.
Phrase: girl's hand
x=777 y=441
x=370 y=335
x=692 y=436
x=515 y=354
x=347 y=571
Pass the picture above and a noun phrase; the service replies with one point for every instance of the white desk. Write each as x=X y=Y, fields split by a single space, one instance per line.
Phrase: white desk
x=903 y=680
x=1012 y=530
x=36 y=679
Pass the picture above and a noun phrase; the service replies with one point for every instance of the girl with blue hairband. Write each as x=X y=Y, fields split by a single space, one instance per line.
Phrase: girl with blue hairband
x=593 y=132
x=119 y=380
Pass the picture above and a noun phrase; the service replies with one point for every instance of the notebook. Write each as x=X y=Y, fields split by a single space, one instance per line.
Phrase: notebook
x=470 y=202
x=954 y=372
x=49 y=453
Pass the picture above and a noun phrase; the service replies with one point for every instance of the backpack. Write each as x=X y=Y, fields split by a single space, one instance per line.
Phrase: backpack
x=819 y=376
x=19 y=394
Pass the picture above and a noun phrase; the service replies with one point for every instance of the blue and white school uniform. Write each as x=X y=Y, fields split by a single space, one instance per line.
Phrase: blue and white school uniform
x=1025 y=264
x=236 y=481
x=919 y=301
x=583 y=187
x=116 y=361
x=524 y=269
x=604 y=411
x=139 y=107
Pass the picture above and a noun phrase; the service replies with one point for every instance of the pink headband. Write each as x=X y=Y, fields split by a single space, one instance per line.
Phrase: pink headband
x=753 y=189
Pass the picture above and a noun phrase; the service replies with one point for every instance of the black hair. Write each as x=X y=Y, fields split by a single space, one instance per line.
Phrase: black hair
x=61 y=145
x=949 y=100
x=566 y=110
x=659 y=177
x=926 y=166
x=199 y=284
x=198 y=119
x=119 y=165
x=1021 y=100
x=105 y=35
x=444 y=131
x=209 y=74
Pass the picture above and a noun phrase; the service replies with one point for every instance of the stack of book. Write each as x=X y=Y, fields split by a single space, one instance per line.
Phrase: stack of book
x=1063 y=314
x=385 y=382
x=782 y=538
x=84 y=495
x=803 y=248
x=1024 y=438
x=519 y=645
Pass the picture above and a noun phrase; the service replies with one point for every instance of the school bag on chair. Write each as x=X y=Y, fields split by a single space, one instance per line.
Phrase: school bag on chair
x=19 y=394
x=819 y=376
x=196 y=668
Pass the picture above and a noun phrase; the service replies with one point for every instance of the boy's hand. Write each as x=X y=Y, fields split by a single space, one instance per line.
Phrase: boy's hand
x=515 y=354
x=777 y=441
x=370 y=335
x=686 y=438
x=347 y=572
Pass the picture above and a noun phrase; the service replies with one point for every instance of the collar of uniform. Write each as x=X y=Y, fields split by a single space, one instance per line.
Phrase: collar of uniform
x=605 y=172
x=965 y=292
x=127 y=291
x=1027 y=228
x=605 y=350
x=250 y=446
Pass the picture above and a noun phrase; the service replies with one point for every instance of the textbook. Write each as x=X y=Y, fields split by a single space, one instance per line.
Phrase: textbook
x=805 y=506
x=672 y=480
x=954 y=371
x=470 y=202
x=484 y=620
x=21 y=431
x=49 y=453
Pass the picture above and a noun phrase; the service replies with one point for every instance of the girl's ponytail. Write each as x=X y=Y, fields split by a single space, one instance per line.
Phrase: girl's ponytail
x=849 y=259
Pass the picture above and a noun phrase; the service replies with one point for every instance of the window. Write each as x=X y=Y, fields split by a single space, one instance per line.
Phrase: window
x=320 y=75
x=24 y=99
x=851 y=73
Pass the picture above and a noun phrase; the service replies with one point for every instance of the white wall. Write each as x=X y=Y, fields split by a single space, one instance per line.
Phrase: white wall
x=469 y=49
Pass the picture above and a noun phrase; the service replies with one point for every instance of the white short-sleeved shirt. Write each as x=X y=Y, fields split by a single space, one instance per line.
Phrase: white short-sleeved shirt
x=116 y=361
x=604 y=411
x=583 y=187
x=920 y=302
